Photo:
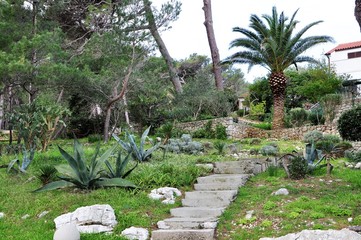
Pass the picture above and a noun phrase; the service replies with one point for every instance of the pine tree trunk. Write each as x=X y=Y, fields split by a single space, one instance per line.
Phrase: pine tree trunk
x=217 y=71
x=162 y=48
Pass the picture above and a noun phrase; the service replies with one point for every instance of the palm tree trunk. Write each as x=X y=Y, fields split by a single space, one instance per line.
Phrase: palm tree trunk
x=278 y=83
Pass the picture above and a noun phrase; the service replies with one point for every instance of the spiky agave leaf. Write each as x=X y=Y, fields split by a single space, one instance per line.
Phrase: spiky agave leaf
x=54 y=185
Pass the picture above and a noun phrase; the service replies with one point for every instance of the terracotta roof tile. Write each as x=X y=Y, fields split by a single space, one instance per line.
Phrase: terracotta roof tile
x=345 y=46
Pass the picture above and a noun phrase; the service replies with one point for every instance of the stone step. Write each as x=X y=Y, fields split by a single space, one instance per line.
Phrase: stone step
x=183 y=234
x=196 y=212
x=233 y=170
x=220 y=194
x=187 y=223
x=217 y=186
x=223 y=179
x=216 y=202
x=249 y=166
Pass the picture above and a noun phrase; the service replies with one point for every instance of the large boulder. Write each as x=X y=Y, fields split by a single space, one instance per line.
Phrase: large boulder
x=89 y=219
x=67 y=232
x=320 y=235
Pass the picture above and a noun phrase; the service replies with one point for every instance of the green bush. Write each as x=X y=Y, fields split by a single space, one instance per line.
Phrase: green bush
x=331 y=138
x=313 y=136
x=268 y=150
x=353 y=156
x=220 y=132
x=220 y=146
x=297 y=117
x=349 y=124
x=298 y=167
x=93 y=138
x=255 y=141
x=315 y=116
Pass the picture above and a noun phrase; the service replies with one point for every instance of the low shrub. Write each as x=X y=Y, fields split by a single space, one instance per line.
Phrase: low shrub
x=255 y=141
x=184 y=145
x=220 y=146
x=298 y=117
x=93 y=138
x=263 y=125
x=269 y=150
x=313 y=136
x=315 y=116
x=349 y=125
x=331 y=138
x=353 y=156
x=298 y=167
x=220 y=132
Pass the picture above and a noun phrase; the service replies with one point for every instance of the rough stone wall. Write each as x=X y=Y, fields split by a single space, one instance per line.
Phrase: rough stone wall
x=242 y=129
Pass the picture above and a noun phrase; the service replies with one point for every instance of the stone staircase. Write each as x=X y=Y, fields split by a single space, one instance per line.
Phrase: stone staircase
x=197 y=218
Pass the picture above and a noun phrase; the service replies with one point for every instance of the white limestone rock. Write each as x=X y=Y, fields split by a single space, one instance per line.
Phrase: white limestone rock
x=281 y=191
x=67 y=232
x=320 y=235
x=166 y=193
x=89 y=219
x=134 y=233
x=358 y=165
x=2 y=215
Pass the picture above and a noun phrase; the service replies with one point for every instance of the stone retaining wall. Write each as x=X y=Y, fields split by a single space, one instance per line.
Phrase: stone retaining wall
x=242 y=128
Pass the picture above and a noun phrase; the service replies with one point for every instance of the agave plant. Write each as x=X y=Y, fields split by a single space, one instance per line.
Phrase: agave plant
x=28 y=157
x=130 y=146
x=82 y=175
x=120 y=165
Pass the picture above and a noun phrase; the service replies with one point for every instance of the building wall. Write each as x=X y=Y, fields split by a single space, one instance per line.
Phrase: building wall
x=344 y=65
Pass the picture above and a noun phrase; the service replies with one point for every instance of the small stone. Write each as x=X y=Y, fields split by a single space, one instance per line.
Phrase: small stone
x=281 y=191
x=162 y=225
x=134 y=233
x=2 y=215
x=67 y=232
x=249 y=214
x=350 y=219
x=209 y=225
x=25 y=216
x=358 y=165
x=42 y=214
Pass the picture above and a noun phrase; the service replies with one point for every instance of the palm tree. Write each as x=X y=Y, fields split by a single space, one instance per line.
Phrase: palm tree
x=274 y=45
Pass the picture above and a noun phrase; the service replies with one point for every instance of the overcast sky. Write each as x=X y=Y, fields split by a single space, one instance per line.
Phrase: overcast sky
x=188 y=34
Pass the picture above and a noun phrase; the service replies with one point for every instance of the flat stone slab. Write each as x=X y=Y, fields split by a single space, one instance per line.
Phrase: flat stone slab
x=179 y=234
x=220 y=194
x=187 y=223
x=224 y=178
x=196 y=212
x=216 y=186
x=217 y=203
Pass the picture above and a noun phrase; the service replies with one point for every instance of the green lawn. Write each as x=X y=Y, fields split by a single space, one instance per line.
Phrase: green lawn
x=316 y=202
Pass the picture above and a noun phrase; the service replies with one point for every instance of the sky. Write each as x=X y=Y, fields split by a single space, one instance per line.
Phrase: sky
x=188 y=34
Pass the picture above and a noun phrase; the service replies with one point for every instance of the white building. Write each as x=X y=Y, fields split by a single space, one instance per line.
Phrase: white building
x=346 y=58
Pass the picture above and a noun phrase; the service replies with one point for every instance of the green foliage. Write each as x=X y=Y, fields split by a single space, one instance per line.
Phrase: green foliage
x=220 y=132
x=298 y=117
x=272 y=171
x=184 y=145
x=298 y=167
x=78 y=173
x=313 y=136
x=316 y=116
x=139 y=153
x=93 y=138
x=353 y=156
x=118 y=171
x=311 y=84
x=255 y=141
x=332 y=138
x=263 y=125
x=269 y=205
x=349 y=124
x=268 y=150
x=220 y=146
x=329 y=103
x=47 y=174
x=257 y=111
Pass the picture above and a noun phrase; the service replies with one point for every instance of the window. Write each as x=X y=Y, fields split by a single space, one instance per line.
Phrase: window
x=354 y=54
